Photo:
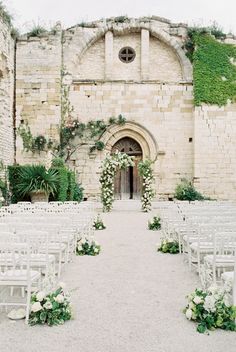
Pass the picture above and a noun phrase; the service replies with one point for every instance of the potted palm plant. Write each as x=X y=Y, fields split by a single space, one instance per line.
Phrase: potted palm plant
x=37 y=182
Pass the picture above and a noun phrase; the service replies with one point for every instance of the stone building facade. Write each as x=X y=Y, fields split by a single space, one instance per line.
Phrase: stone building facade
x=151 y=85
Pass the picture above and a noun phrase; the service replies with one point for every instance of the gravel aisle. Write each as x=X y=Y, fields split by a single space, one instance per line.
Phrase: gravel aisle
x=129 y=298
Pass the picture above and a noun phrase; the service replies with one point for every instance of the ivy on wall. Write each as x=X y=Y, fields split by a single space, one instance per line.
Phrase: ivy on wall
x=214 y=67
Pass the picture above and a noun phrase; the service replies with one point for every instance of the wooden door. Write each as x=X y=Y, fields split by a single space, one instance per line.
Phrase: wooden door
x=127 y=182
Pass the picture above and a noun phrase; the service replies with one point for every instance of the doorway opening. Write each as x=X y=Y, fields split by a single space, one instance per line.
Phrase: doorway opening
x=127 y=182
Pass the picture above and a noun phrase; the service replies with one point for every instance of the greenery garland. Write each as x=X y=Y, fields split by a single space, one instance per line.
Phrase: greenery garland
x=146 y=172
x=109 y=168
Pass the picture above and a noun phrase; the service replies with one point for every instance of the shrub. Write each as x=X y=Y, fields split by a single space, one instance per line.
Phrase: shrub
x=3 y=189
x=14 y=179
x=79 y=193
x=186 y=191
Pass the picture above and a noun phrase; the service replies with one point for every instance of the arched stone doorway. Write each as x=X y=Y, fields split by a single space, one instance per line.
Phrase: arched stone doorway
x=127 y=182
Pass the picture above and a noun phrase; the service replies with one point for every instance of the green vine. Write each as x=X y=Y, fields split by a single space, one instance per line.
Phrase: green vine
x=214 y=66
x=31 y=143
x=74 y=134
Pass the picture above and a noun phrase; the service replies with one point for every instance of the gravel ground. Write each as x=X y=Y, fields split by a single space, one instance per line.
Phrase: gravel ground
x=129 y=298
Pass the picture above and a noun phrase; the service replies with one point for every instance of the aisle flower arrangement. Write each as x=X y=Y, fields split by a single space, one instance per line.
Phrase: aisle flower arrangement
x=98 y=223
x=86 y=246
x=51 y=309
x=146 y=172
x=155 y=223
x=211 y=309
x=169 y=245
x=109 y=168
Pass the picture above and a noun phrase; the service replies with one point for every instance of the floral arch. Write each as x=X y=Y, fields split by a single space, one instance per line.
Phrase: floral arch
x=119 y=160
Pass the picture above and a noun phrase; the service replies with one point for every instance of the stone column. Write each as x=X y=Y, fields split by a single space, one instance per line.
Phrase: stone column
x=144 y=54
x=108 y=55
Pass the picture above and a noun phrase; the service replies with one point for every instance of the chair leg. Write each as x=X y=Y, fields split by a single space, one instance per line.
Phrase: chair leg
x=28 y=303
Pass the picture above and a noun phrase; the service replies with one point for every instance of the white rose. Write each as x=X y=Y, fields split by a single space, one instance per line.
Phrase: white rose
x=96 y=250
x=48 y=305
x=40 y=296
x=197 y=300
x=59 y=298
x=189 y=314
x=79 y=248
x=36 y=307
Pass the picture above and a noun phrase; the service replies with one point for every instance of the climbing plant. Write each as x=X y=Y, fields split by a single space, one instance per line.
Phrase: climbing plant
x=31 y=143
x=146 y=172
x=109 y=168
x=73 y=134
x=214 y=66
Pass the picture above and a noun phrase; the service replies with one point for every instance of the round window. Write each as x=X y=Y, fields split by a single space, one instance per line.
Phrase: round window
x=127 y=54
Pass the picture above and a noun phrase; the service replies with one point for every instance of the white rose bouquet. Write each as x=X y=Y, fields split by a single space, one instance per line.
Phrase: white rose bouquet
x=51 y=309
x=86 y=246
x=211 y=309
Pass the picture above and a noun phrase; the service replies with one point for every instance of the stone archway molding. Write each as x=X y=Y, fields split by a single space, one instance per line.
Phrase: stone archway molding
x=133 y=130
x=155 y=31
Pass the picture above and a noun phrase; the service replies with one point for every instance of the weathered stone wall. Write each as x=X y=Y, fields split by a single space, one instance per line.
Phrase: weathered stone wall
x=154 y=93
x=163 y=62
x=38 y=89
x=6 y=94
x=166 y=111
x=215 y=151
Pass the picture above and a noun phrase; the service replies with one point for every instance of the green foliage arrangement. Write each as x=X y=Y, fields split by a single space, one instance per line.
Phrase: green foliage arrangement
x=51 y=309
x=109 y=168
x=145 y=171
x=33 y=178
x=87 y=246
x=155 y=223
x=211 y=309
x=168 y=245
x=186 y=191
x=98 y=223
